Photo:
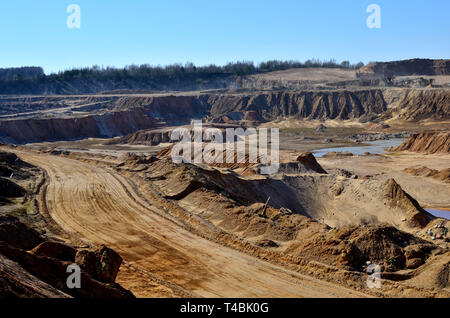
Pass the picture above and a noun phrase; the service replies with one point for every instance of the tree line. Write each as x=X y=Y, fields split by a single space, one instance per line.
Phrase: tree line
x=180 y=70
x=18 y=73
x=33 y=80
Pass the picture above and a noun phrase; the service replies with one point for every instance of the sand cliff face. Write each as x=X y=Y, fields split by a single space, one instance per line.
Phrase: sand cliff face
x=310 y=105
x=363 y=105
x=101 y=126
x=172 y=109
x=144 y=137
x=268 y=106
x=424 y=104
x=427 y=142
x=406 y=67
x=119 y=115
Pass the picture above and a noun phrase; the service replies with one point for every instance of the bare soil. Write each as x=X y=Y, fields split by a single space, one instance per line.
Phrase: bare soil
x=98 y=206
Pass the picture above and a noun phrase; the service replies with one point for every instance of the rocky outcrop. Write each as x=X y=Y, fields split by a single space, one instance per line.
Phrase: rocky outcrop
x=54 y=272
x=44 y=264
x=406 y=68
x=102 y=263
x=427 y=142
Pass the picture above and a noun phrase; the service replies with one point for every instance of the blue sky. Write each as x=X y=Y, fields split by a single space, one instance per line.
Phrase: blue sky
x=118 y=33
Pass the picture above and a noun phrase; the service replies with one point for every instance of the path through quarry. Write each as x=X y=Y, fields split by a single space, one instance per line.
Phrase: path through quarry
x=99 y=206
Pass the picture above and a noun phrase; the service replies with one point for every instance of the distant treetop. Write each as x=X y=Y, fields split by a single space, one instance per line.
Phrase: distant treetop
x=15 y=73
x=32 y=80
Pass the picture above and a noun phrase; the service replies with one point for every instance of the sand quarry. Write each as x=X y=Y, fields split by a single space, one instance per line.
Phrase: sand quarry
x=88 y=175
x=204 y=231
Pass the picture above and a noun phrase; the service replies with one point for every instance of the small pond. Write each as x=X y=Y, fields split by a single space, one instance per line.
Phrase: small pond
x=374 y=147
x=440 y=213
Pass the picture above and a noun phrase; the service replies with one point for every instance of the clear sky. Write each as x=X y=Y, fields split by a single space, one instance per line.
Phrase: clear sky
x=118 y=33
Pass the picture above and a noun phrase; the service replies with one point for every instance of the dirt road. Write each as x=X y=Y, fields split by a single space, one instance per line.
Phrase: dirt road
x=99 y=206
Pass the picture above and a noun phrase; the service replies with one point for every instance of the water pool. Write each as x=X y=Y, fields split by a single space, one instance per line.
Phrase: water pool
x=374 y=147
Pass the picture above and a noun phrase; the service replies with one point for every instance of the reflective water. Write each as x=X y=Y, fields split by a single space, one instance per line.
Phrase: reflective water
x=374 y=147
x=440 y=213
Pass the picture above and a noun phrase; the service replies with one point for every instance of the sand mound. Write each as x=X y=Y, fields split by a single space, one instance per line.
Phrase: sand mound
x=310 y=161
x=301 y=187
x=396 y=197
x=353 y=247
x=311 y=217
x=427 y=142
x=237 y=206
x=435 y=274
x=244 y=165
x=422 y=171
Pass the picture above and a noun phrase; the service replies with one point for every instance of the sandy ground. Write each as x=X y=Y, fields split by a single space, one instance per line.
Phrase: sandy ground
x=97 y=205
x=429 y=192
x=310 y=74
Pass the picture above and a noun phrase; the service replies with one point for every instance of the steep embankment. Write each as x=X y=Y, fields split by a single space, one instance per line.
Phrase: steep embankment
x=29 y=106
x=427 y=142
x=421 y=104
x=302 y=187
x=406 y=67
x=119 y=115
x=143 y=137
x=174 y=109
x=102 y=126
x=364 y=104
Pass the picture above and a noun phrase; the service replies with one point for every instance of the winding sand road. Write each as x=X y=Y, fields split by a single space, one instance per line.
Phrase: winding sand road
x=101 y=207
